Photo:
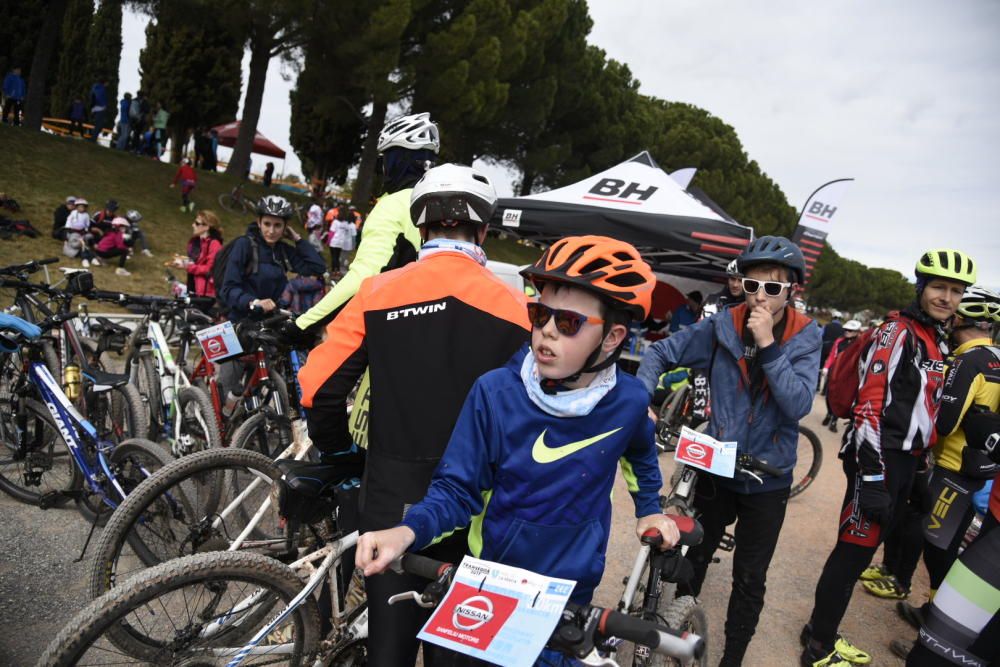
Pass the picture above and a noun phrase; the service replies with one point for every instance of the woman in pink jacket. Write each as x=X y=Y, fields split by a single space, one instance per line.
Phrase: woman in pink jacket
x=204 y=245
x=114 y=244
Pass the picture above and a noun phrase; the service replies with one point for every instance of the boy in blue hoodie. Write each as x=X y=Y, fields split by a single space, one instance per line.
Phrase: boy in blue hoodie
x=534 y=453
x=762 y=358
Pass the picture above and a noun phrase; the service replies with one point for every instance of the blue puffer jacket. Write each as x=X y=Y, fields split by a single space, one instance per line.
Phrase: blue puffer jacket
x=764 y=425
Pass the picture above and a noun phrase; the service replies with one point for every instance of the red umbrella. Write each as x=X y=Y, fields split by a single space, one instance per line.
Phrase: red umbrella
x=261 y=144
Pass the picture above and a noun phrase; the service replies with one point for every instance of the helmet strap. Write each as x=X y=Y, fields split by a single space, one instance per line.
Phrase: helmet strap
x=591 y=365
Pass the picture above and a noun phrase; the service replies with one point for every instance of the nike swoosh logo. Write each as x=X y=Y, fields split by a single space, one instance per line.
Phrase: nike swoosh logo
x=544 y=454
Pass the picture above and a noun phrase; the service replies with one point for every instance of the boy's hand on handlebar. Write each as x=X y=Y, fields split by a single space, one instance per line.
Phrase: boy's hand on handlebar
x=661 y=523
x=377 y=550
x=267 y=305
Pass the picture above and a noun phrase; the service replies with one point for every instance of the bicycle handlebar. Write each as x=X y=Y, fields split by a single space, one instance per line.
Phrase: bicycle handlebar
x=752 y=463
x=597 y=622
x=690 y=530
x=27 y=267
x=154 y=301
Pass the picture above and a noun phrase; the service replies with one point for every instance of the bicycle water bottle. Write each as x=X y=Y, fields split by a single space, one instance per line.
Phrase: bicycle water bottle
x=71 y=381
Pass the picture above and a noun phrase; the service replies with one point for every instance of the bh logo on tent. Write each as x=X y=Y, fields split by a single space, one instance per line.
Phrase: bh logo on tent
x=617 y=190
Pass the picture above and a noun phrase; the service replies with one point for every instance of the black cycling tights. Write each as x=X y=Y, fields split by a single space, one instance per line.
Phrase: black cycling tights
x=857 y=542
x=962 y=626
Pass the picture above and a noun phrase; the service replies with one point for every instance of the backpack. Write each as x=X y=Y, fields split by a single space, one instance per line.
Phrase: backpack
x=222 y=259
x=843 y=380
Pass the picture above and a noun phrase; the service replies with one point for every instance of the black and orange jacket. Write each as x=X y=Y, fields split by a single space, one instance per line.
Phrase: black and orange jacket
x=425 y=332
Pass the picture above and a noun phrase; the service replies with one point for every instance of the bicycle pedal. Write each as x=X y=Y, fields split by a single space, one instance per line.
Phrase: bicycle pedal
x=728 y=542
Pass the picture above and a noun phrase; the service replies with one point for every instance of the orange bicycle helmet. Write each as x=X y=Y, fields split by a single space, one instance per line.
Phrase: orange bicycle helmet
x=610 y=268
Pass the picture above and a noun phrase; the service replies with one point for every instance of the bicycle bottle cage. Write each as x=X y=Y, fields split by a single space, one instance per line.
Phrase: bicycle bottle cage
x=310 y=492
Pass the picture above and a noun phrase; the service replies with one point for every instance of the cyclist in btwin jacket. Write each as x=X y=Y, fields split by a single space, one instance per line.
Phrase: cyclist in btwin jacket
x=425 y=332
x=763 y=360
x=901 y=376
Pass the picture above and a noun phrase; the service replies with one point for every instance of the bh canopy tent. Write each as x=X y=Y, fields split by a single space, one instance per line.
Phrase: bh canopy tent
x=637 y=202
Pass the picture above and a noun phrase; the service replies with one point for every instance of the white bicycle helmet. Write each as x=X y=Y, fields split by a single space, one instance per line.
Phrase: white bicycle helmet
x=852 y=325
x=413 y=132
x=733 y=269
x=276 y=206
x=453 y=192
x=133 y=216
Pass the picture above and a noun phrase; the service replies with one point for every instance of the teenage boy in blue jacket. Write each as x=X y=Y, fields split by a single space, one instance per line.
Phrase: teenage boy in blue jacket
x=762 y=358
x=534 y=453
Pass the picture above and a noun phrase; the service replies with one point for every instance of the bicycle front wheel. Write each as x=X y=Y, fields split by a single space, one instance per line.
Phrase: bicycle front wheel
x=684 y=614
x=131 y=462
x=199 y=428
x=35 y=463
x=194 y=610
x=197 y=503
x=232 y=204
x=810 y=458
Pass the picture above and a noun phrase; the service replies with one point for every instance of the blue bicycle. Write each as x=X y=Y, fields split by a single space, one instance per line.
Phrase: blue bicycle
x=49 y=452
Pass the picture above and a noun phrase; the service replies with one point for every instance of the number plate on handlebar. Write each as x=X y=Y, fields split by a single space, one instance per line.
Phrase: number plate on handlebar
x=498 y=613
x=706 y=453
x=219 y=342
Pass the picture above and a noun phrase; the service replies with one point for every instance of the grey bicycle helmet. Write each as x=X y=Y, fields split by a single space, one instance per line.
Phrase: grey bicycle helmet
x=413 y=132
x=133 y=216
x=453 y=192
x=773 y=250
x=276 y=206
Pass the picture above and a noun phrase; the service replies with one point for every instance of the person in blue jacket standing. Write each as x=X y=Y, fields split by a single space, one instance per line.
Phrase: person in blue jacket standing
x=99 y=107
x=123 y=121
x=762 y=358
x=535 y=451
x=14 y=90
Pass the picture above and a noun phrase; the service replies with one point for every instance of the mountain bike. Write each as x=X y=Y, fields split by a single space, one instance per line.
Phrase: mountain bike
x=235 y=201
x=179 y=412
x=108 y=400
x=242 y=598
x=678 y=410
x=54 y=454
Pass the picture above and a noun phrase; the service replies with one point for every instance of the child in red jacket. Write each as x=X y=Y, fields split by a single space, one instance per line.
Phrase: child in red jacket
x=113 y=244
x=188 y=179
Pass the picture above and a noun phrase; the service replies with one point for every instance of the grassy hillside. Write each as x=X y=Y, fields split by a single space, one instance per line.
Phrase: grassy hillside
x=40 y=170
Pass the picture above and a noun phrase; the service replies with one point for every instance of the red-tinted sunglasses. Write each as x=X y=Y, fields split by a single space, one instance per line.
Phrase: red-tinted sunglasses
x=568 y=322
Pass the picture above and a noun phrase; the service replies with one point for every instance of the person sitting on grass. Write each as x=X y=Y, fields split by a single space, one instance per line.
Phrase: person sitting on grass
x=536 y=447
x=114 y=244
x=78 y=236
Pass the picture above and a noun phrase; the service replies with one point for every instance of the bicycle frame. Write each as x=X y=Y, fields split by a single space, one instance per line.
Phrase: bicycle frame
x=70 y=423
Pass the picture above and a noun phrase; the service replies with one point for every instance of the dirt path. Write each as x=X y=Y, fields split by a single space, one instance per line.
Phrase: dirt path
x=41 y=588
x=806 y=539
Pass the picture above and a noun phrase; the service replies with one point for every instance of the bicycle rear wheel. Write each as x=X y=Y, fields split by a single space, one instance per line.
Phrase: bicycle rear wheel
x=810 y=458
x=232 y=204
x=190 y=611
x=35 y=463
x=192 y=505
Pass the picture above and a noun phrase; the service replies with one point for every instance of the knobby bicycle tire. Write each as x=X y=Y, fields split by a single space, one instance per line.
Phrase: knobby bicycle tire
x=147 y=382
x=47 y=460
x=684 y=613
x=263 y=433
x=800 y=485
x=170 y=505
x=131 y=461
x=107 y=617
x=198 y=418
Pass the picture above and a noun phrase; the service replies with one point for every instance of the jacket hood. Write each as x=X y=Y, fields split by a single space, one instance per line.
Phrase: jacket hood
x=729 y=331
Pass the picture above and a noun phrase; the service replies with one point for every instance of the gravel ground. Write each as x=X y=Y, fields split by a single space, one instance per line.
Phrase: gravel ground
x=41 y=588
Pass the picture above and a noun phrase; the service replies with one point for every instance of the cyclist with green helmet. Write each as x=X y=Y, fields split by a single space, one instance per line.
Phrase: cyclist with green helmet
x=901 y=375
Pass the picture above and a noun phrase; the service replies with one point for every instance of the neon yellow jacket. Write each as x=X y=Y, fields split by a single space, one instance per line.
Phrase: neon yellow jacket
x=389 y=240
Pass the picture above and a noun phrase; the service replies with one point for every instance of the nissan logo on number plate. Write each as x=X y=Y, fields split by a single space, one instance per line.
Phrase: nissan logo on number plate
x=695 y=451
x=473 y=614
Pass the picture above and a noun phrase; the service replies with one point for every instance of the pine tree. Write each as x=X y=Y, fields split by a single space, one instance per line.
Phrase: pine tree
x=72 y=72
x=192 y=68
x=104 y=49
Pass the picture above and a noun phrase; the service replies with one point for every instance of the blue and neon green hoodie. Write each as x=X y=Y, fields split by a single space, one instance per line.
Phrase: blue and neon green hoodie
x=537 y=488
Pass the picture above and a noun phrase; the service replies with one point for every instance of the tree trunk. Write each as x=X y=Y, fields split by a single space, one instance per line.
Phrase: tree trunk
x=178 y=144
x=365 y=182
x=44 y=48
x=527 y=181
x=260 y=56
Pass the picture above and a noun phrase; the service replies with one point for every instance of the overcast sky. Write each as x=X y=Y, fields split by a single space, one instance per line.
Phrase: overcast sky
x=902 y=96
